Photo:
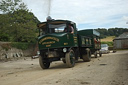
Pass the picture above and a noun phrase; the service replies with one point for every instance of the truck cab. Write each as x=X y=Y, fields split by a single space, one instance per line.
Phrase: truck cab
x=56 y=29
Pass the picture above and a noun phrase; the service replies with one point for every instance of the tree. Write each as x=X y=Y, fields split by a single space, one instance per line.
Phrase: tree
x=4 y=36
x=111 y=31
x=103 y=32
x=17 y=23
x=7 y=6
x=24 y=24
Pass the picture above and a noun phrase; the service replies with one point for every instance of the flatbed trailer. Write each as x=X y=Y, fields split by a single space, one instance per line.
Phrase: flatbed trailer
x=94 y=41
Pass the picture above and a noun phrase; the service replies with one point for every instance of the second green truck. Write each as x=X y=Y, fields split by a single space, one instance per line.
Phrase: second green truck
x=56 y=44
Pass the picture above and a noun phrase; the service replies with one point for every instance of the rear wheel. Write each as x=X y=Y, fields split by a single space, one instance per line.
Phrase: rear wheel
x=70 y=58
x=44 y=64
x=87 y=57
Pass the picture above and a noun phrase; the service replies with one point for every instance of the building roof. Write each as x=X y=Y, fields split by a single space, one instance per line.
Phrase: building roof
x=122 y=36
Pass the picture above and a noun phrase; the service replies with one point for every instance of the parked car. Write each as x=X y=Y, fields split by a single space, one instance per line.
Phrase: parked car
x=104 y=48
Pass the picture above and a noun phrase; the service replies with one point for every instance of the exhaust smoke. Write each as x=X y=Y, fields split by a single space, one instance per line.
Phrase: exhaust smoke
x=47 y=7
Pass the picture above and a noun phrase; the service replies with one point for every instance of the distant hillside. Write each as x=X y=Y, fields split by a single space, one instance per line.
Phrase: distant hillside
x=111 y=31
x=108 y=39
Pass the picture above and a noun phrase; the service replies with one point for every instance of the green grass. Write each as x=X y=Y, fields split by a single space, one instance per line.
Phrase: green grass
x=109 y=43
x=108 y=40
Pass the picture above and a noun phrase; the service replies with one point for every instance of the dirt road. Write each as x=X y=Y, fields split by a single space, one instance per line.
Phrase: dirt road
x=110 y=69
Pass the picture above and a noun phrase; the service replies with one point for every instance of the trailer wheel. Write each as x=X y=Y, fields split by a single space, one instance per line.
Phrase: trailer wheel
x=100 y=54
x=43 y=64
x=87 y=57
x=95 y=54
x=70 y=58
x=63 y=59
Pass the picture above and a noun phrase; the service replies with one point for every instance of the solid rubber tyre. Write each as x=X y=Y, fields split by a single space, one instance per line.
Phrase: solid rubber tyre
x=95 y=54
x=100 y=54
x=43 y=64
x=87 y=57
x=70 y=58
x=63 y=59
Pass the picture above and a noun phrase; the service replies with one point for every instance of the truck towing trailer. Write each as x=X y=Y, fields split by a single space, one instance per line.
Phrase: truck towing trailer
x=56 y=44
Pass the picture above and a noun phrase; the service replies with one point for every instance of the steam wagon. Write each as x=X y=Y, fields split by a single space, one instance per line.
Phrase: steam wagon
x=60 y=40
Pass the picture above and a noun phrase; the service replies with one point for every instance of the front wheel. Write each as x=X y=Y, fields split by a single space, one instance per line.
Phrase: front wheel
x=70 y=58
x=44 y=64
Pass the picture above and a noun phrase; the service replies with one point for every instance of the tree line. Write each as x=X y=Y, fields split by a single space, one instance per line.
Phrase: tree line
x=111 y=31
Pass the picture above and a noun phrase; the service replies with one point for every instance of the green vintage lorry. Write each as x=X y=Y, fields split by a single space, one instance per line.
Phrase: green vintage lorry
x=55 y=44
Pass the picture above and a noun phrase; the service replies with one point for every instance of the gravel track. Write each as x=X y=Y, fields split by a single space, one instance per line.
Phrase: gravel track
x=110 y=69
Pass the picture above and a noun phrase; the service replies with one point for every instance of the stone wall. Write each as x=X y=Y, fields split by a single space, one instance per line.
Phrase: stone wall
x=14 y=52
x=11 y=53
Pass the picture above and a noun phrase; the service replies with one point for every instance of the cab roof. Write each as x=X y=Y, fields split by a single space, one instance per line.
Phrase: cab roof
x=54 y=22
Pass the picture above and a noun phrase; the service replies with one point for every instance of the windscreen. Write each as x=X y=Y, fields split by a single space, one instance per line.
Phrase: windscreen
x=56 y=28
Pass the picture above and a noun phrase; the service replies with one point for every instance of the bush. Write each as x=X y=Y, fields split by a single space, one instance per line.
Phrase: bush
x=4 y=37
x=20 y=45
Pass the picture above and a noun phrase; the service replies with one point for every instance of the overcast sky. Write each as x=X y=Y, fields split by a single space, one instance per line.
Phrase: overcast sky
x=90 y=14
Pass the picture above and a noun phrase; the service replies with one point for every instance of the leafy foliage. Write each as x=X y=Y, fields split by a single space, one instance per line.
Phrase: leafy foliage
x=9 y=6
x=17 y=24
x=20 y=45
